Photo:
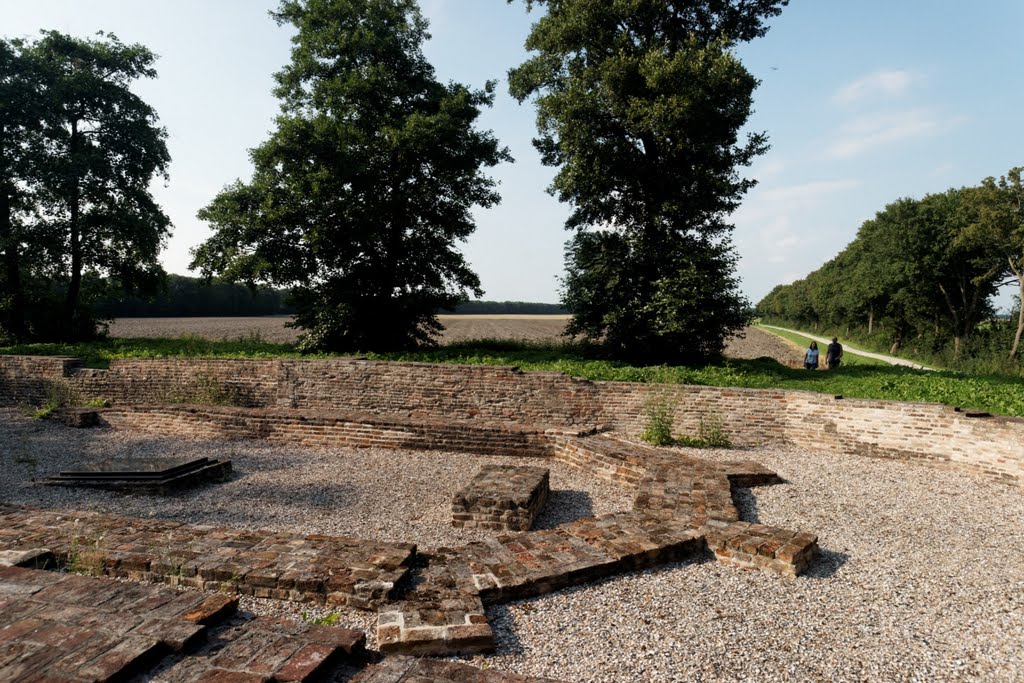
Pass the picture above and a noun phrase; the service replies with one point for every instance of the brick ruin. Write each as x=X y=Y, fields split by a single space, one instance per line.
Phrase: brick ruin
x=424 y=393
x=433 y=601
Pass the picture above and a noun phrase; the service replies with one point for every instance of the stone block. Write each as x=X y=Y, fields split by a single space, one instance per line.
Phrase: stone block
x=501 y=497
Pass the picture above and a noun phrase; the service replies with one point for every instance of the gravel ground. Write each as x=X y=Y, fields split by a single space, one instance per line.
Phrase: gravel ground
x=920 y=579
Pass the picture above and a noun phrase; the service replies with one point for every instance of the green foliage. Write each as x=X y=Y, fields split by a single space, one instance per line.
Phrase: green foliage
x=921 y=275
x=995 y=393
x=368 y=182
x=76 y=213
x=639 y=106
x=58 y=395
x=206 y=390
x=658 y=431
x=804 y=342
x=710 y=434
x=332 y=619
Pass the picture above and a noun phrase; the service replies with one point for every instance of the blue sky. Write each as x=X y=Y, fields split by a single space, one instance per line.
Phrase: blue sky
x=864 y=102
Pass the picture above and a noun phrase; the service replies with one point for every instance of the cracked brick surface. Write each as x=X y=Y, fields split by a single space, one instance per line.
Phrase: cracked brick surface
x=323 y=569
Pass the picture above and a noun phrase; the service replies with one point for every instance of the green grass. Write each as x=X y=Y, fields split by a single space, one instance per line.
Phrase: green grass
x=994 y=393
x=849 y=359
x=98 y=354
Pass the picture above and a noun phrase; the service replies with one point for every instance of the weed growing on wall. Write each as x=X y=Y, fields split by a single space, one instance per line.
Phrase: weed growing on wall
x=710 y=434
x=58 y=395
x=207 y=390
x=659 y=412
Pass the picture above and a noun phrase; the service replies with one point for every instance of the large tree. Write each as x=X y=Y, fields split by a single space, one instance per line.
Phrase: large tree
x=78 y=151
x=360 y=195
x=997 y=225
x=639 y=106
x=20 y=114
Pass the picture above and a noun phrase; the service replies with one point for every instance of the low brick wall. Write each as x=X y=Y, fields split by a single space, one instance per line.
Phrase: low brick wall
x=927 y=433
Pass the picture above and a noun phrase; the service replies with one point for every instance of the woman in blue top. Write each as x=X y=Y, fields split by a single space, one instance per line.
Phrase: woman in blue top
x=811 y=357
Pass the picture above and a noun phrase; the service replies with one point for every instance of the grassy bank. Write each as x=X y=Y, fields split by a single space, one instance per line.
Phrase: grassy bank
x=849 y=358
x=997 y=394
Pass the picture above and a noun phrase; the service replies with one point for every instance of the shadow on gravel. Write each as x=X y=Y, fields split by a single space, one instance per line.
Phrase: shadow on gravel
x=745 y=500
x=562 y=507
x=826 y=564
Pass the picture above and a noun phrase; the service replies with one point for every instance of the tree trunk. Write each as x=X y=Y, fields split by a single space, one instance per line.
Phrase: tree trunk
x=75 y=282
x=1015 y=349
x=871 y=320
x=15 y=323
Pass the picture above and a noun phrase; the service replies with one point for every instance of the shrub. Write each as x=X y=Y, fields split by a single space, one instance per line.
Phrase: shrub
x=659 y=422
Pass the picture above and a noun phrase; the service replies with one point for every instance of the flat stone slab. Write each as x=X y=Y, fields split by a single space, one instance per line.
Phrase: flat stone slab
x=143 y=474
x=502 y=497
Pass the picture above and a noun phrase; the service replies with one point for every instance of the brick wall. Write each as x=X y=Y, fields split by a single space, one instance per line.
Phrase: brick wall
x=929 y=433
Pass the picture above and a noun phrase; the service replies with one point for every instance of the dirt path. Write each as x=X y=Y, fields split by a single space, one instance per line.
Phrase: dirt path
x=891 y=360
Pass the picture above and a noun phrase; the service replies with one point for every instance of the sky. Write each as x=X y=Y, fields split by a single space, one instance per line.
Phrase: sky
x=864 y=103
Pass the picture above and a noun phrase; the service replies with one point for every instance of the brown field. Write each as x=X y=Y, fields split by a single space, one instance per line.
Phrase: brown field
x=272 y=329
x=754 y=343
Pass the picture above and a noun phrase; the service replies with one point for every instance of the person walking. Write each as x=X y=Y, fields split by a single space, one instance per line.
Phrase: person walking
x=834 y=355
x=811 y=357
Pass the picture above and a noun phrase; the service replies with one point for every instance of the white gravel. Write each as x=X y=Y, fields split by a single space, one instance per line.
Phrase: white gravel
x=921 y=576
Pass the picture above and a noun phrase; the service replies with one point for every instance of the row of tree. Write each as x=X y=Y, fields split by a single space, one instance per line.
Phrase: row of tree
x=78 y=150
x=363 y=190
x=920 y=269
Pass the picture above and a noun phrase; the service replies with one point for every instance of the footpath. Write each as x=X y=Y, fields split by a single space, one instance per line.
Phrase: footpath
x=891 y=360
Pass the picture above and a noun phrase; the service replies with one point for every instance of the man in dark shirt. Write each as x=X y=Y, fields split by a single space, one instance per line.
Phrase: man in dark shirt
x=835 y=354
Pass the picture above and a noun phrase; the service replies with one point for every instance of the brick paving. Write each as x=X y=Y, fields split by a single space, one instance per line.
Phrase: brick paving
x=682 y=505
x=325 y=569
x=67 y=627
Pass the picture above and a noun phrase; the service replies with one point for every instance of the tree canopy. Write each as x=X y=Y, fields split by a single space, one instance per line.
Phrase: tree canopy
x=922 y=269
x=639 y=106
x=363 y=190
x=78 y=151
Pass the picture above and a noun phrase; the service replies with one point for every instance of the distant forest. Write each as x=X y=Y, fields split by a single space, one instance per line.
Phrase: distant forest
x=193 y=297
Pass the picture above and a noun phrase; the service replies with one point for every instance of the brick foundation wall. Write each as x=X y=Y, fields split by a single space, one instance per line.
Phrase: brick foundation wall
x=421 y=392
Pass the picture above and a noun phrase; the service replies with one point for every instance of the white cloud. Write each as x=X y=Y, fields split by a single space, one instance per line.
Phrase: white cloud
x=888 y=82
x=773 y=225
x=805 y=193
x=942 y=169
x=863 y=133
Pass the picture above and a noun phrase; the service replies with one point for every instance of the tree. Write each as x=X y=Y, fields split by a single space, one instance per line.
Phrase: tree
x=998 y=223
x=78 y=151
x=359 y=196
x=19 y=141
x=639 y=105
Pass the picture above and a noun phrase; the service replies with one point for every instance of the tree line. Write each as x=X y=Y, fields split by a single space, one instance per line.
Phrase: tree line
x=921 y=272
x=366 y=186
